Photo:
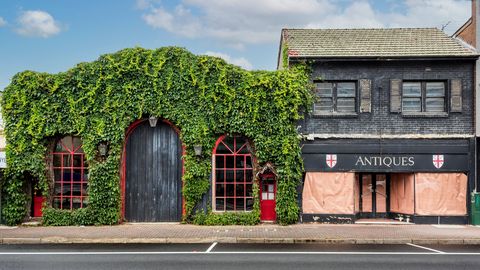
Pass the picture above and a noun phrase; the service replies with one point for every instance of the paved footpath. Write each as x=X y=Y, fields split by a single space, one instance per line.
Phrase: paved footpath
x=266 y=233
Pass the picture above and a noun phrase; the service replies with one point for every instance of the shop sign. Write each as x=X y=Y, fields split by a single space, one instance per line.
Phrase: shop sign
x=386 y=162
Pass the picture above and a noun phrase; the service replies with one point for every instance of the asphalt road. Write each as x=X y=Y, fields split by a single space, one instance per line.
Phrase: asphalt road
x=238 y=256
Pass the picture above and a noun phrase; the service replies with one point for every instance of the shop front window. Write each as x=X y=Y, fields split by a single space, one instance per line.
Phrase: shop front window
x=232 y=175
x=70 y=171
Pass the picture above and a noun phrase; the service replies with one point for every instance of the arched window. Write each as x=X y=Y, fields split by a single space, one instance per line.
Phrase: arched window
x=233 y=175
x=70 y=172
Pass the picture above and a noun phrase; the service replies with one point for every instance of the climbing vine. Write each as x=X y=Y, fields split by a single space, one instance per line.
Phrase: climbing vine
x=203 y=96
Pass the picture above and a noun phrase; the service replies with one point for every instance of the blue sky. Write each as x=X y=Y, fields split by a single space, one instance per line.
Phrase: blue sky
x=55 y=35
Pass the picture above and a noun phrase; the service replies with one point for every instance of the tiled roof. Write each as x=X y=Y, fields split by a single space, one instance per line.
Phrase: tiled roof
x=382 y=42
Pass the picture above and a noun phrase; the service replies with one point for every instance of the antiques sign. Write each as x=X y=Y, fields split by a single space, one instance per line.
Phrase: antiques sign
x=395 y=162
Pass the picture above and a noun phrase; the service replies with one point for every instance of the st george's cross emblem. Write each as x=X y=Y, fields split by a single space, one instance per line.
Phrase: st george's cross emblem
x=438 y=161
x=331 y=160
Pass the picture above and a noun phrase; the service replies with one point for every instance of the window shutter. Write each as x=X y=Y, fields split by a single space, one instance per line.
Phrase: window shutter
x=456 y=95
x=395 y=96
x=365 y=95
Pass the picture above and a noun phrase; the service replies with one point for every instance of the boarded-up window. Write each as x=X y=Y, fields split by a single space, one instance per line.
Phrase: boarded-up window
x=329 y=193
x=402 y=193
x=395 y=96
x=440 y=194
x=365 y=93
x=456 y=95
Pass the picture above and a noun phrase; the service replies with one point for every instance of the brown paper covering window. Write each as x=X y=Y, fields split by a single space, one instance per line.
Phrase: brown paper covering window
x=440 y=194
x=329 y=193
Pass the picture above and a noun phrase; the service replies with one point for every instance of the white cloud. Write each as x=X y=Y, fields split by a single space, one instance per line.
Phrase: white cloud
x=241 y=61
x=37 y=23
x=2 y=22
x=242 y=22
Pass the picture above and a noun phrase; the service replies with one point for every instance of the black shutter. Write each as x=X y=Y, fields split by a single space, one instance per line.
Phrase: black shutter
x=456 y=95
x=365 y=95
x=395 y=95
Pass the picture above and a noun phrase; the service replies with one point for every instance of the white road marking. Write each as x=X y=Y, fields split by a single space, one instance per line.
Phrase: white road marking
x=239 y=252
x=431 y=249
x=211 y=247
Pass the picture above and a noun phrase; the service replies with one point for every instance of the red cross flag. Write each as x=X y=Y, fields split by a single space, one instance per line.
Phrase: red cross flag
x=331 y=160
x=438 y=161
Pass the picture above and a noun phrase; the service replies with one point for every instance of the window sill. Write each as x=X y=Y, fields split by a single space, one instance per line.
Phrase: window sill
x=334 y=115
x=425 y=114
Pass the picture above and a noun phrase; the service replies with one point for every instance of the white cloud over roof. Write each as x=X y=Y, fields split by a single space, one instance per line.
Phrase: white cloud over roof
x=242 y=22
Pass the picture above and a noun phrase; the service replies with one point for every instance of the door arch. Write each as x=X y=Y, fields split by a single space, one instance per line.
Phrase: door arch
x=152 y=173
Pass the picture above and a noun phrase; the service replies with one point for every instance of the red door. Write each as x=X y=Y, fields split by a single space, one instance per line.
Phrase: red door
x=268 y=189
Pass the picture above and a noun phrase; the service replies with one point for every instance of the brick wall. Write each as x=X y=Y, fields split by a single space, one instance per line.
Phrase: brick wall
x=380 y=121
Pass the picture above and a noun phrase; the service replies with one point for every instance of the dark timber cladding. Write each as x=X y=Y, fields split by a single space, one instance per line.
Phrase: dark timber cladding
x=153 y=174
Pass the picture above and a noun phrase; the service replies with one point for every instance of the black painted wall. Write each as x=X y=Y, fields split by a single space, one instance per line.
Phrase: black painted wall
x=380 y=120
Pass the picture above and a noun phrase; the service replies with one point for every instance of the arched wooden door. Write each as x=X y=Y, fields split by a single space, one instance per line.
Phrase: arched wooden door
x=153 y=174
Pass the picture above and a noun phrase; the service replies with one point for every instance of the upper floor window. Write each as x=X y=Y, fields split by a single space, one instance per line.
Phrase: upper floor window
x=423 y=97
x=232 y=175
x=336 y=97
x=70 y=174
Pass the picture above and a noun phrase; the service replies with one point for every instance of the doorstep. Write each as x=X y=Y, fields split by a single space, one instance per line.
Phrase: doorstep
x=381 y=221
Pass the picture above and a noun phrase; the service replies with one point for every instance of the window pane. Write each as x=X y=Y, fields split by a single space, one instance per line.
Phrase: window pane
x=240 y=176
x=324 y=89
x=435 y=104
x=67 y=160
x=58 y=190
x=240 y=190
x=412 y=104
x=412 y=89
x=220 y=161
x=435 y=89
x=346 y=104
x=77 y=189
x=249 y=162
x=249 y=190
x=240 y=204
x=324 y=105
x=77 y=175
x=220 y=176
x=230 y=176
x=220 y=190
x=56 y=203
x=248 y=176
x=230 y=190
x=230 y=162
x=220 y=204
x=346 y=89
x=230 y=204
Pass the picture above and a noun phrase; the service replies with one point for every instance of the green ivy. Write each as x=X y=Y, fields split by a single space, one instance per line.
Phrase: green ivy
x=203 y=96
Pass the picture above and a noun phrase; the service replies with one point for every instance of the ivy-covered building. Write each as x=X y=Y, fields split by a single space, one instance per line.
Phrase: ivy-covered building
x=392 y=129
x=154 y=135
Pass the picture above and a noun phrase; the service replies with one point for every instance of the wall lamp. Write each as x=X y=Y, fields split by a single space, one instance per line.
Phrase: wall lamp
x=102 y=148
x=153 y=121
x=198 y=149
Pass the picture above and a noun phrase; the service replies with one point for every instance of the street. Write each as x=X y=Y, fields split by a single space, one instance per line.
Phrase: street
x=238 y=256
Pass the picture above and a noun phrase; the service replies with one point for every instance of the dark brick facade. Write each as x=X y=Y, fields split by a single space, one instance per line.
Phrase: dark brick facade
x=381 y=121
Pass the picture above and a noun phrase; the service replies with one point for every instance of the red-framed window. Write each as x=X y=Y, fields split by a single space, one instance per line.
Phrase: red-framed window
x=233 y=175
x=70 y=172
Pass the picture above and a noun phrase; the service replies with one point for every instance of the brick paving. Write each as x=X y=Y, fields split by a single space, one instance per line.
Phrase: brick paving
x=270 y=233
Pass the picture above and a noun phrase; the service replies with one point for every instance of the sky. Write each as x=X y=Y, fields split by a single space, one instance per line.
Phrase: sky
x=55 y=35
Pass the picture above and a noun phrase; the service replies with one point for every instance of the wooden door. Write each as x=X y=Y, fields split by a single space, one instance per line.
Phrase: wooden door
x=153 y=174
x=268 y=189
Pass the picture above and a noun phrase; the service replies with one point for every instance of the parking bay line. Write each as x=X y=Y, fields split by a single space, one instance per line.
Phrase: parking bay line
x=426 y=248
x=211 y=247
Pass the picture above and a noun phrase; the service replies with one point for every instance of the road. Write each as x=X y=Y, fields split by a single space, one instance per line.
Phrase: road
x=238 y=256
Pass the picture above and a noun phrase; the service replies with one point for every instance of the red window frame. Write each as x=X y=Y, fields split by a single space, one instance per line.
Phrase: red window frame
x=70 y=174
x=232 y=175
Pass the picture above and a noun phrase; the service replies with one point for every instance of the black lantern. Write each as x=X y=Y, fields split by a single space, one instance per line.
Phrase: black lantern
x=102 y=149
x=198 y=149
x=153 y=121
